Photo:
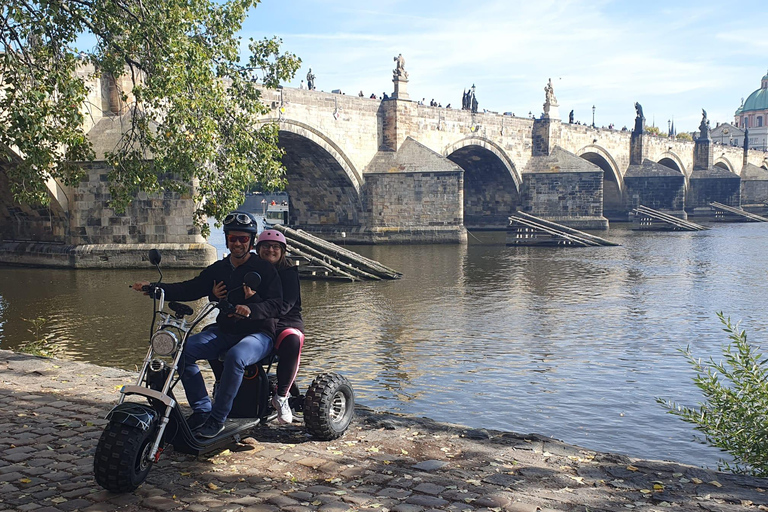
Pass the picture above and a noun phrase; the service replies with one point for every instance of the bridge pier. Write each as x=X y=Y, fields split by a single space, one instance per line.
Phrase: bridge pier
x=90 y=234
x=709 y=183
x=649 y=183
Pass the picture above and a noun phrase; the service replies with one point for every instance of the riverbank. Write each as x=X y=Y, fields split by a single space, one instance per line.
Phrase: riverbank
x=52 y=416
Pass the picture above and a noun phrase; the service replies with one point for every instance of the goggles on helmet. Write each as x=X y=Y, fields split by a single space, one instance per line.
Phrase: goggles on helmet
x=240 y=218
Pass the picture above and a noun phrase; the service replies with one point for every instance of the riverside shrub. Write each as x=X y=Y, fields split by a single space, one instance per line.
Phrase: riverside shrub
x=733 y=416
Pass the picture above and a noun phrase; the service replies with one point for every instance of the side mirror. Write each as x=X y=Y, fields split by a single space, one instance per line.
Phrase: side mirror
x=154 y=257
x=252 y=280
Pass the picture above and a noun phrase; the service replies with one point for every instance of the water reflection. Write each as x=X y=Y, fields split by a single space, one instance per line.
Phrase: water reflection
x=570 y=343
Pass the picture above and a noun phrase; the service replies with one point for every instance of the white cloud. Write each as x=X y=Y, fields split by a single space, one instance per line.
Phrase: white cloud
x=674 y=59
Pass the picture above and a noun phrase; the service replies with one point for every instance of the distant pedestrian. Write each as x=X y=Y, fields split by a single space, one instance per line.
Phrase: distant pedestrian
x=302 y=85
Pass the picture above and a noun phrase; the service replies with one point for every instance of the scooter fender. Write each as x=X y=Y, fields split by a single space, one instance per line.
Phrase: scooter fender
x=134 y=415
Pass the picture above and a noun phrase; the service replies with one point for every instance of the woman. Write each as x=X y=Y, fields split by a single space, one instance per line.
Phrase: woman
x=289 y=337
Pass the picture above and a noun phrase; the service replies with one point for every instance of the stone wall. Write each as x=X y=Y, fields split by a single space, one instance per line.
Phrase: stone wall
x=658 y=192
x=415 y=207
x=705 y=188
x=565 y=197
x=754 y=192
x=93 y=235
x=148 y=220
x=24 y=222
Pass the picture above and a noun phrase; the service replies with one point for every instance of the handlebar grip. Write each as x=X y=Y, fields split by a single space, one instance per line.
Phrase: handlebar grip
x=149 y=288
x=228 y=308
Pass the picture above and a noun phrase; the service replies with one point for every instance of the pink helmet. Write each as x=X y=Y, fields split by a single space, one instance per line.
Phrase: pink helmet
x=271 y=235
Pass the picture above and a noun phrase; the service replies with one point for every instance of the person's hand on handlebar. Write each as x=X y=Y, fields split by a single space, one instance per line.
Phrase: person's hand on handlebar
x=248 y=292
x=241 y=311
x=139 y=286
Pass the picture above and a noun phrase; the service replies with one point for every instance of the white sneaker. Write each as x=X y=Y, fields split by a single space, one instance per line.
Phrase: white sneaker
x=284 y=414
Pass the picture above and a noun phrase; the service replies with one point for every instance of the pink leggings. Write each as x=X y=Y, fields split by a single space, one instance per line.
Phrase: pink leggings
x=288 y=348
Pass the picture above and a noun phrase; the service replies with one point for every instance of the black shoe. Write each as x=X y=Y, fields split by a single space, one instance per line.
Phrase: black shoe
x=196 y=420
x=211 y=428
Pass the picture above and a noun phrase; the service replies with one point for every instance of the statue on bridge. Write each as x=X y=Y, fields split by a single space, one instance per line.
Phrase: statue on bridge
x=570 y=117
x=704 y=126
x=639 y=119
x=399 y=73
x=310 y=80
x=469 y=101
x=550 y=93
x=550 y=101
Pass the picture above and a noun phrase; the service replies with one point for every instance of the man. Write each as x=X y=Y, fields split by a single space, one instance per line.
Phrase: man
x=247 y=336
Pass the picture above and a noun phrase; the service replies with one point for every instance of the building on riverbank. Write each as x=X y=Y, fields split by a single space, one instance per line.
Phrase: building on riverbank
x=753 y=114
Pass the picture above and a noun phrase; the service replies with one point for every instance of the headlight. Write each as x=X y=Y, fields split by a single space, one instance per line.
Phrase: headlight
x=164 y=343
x=156 y=365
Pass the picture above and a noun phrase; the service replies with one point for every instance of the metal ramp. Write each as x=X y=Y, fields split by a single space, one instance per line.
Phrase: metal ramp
x=529 y=230
x=648 y=219
x=723 y=211
x=320 y=259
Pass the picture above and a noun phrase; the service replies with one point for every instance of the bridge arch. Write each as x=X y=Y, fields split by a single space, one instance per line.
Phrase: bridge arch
x=724 y=163
x=324 y=187
x=490 y=146
x=491 y=182
x=308 y=132
x=613 y=181
x=673 y=161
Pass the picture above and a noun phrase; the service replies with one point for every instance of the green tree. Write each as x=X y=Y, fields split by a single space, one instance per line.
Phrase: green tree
x=734 y=416
x=192 y=103
x=653 y=130
x=684 y=136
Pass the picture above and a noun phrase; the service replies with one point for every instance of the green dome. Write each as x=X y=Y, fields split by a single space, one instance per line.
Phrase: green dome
x=758 y=100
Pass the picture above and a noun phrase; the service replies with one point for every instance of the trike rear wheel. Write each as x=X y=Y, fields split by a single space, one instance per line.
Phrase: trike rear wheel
x=329 y=406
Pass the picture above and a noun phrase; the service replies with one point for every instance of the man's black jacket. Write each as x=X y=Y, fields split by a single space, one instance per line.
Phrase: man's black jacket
x=265 y=304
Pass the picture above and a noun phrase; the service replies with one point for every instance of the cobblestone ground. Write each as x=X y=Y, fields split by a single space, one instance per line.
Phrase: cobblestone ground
x=51 y=419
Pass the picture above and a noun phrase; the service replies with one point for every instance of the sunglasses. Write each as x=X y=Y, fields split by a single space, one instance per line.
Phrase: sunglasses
x=243 y=239
x=241 y=218
x=270 y=246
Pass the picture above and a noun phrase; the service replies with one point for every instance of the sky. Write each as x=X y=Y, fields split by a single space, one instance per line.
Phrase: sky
x=674 y=58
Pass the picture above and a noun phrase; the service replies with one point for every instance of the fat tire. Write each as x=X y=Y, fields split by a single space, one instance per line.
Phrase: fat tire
x=118 y=463
x=329 y=406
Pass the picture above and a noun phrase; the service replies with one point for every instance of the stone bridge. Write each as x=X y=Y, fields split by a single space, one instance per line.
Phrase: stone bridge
x=357 y=163
x=392 y=170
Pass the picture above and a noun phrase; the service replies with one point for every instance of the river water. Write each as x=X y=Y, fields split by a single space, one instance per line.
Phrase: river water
x=570 y=343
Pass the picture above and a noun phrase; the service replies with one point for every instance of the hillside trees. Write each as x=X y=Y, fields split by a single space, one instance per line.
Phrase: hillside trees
x=190 y=109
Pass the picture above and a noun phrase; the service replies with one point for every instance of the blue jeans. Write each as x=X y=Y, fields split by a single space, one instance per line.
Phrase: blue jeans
x=241 y=352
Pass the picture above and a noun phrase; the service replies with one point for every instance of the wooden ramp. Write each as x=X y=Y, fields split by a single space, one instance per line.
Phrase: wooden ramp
x=722 y=211
x=529 y=230
x=318 y=258
x=648 y=219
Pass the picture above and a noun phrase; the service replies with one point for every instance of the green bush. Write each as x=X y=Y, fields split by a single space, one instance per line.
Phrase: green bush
x=42 y=344
x=733 y=416
x=684 y=136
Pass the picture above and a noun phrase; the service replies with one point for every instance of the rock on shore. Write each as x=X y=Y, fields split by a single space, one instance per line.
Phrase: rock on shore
x=52 y=416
